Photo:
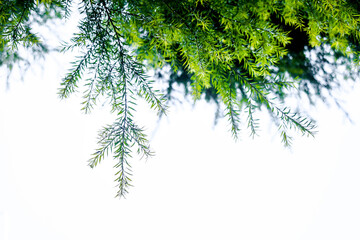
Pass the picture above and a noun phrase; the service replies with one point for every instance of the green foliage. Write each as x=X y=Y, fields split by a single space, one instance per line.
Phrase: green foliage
x=317 y=69
x=118 y=76
x=243 y=54
x=16 y=33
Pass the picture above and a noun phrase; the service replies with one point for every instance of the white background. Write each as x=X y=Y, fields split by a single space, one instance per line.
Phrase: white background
x=201 y=184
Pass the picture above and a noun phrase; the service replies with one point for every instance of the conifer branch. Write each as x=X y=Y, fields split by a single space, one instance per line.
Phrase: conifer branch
x=234 y=51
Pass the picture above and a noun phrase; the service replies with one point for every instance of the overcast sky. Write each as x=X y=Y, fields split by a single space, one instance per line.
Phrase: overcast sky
x=201 y=184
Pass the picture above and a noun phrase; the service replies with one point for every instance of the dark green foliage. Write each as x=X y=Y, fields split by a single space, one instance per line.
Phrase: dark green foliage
x=117 y=76
x=244 y=55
